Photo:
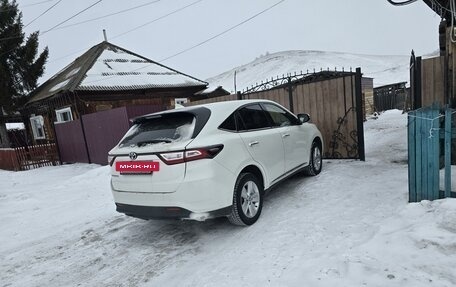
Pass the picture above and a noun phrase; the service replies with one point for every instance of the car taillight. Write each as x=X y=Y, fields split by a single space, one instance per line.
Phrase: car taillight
x=111 y=159
x=190 y=155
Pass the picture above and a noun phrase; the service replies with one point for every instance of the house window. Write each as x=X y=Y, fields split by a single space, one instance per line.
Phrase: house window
x=37 y=123
x=180 y=101
x=64 y=115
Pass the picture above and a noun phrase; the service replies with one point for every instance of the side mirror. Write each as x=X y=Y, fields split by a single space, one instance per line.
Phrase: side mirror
x=303 y=118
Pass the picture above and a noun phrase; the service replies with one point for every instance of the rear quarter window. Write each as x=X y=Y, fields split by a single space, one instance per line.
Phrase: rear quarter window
x=229 y=124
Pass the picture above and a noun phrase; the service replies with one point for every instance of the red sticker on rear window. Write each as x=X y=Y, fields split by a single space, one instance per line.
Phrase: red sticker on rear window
x=137 y=166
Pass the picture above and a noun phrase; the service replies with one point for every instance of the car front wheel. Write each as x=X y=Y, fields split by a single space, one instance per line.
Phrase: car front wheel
x=316 y=161
x=247 y=200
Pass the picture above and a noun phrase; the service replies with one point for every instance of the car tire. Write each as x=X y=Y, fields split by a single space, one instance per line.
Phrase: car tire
x=247 y=200
x=315 y=162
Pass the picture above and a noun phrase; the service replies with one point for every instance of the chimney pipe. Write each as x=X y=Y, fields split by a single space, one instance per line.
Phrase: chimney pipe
x=104 y=35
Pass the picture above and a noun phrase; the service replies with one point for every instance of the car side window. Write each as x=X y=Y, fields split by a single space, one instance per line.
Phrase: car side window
x=229 y=124
x=279 y=116
x=253 y=117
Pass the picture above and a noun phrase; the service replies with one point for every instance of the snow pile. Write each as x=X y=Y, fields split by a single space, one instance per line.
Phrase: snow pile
x=349 y=226
x=384 y=69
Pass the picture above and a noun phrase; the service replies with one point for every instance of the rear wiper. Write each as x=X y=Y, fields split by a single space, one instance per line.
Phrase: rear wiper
x=153 y=141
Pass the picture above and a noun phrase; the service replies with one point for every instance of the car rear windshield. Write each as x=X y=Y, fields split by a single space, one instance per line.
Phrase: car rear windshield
x=166 y=128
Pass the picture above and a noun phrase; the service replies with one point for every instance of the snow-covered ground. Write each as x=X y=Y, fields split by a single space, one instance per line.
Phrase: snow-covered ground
x=384 y=69
x=349 y=226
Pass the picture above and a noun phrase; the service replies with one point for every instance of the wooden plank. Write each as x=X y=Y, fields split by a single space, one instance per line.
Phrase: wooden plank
x=425 y=127
x=448 y=133
x=340 y=111
x=322 y=124
x=439 y=80
x=282 y=94
x=307 y=96
x=427 y=82
x=313 y=101
x=324 y=101
x=334 y=102
x=350 y=125
x=419 y=181
x=433 y=153
x=411 y=130
x=297 y=99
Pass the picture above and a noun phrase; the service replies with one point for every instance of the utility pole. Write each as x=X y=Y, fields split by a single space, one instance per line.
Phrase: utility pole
x=235 y=88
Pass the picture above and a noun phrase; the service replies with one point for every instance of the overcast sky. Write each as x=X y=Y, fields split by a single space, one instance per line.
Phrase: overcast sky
x=356 y=26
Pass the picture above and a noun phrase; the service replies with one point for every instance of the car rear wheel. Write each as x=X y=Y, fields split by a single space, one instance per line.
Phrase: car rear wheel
x=247 y=200
x=316 y=161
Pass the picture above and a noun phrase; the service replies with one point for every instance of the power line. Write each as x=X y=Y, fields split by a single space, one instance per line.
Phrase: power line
x=156 y=19
x=108 y=15
x=36 y=3
x=199 y=44
x=55 y=26
x=222 y=33
x=131 y=30
x=28 y=5
x=47 y=10
x=68 y=19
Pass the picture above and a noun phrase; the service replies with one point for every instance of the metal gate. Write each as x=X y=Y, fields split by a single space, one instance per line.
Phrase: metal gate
x=333 y=99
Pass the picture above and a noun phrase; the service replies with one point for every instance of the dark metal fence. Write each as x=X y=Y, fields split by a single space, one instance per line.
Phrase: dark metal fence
x=390 y=97
x=90 y=138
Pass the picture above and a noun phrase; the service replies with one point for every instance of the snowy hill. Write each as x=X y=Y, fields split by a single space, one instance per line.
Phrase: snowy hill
x=384 y=69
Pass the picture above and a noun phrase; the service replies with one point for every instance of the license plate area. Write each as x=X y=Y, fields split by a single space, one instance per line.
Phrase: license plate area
x=137 y=167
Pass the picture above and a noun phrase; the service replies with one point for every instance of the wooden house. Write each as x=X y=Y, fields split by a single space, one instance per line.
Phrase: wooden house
x=106 y=77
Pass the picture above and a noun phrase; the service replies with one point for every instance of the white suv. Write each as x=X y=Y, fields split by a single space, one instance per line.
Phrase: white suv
x=211 y=160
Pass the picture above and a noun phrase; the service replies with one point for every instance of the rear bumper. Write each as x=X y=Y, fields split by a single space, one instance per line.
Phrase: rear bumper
x=207 y=187
x=159 y=212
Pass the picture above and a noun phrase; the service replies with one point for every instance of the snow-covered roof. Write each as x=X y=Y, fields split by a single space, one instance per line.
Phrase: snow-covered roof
x=107 y=67
x=210 y=89
x=15 y=126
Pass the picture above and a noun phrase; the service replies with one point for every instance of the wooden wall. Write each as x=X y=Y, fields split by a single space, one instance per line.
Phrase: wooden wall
x=432 y=81
x=213 y=100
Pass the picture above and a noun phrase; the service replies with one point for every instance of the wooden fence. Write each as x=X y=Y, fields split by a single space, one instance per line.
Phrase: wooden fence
x=391 y=96
x=332 y=99
x=427 y=82
x=428 y=131
x=25 y=158
x=8 y=159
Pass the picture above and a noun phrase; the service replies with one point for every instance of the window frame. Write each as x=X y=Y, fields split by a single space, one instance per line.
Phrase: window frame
x=294 y=121
x=59 y=112
x=37 y=119
x=184 y=101
x=239 y=117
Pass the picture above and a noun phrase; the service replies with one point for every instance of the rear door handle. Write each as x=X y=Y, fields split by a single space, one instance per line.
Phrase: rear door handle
x=285 y=135
x=254 y=143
